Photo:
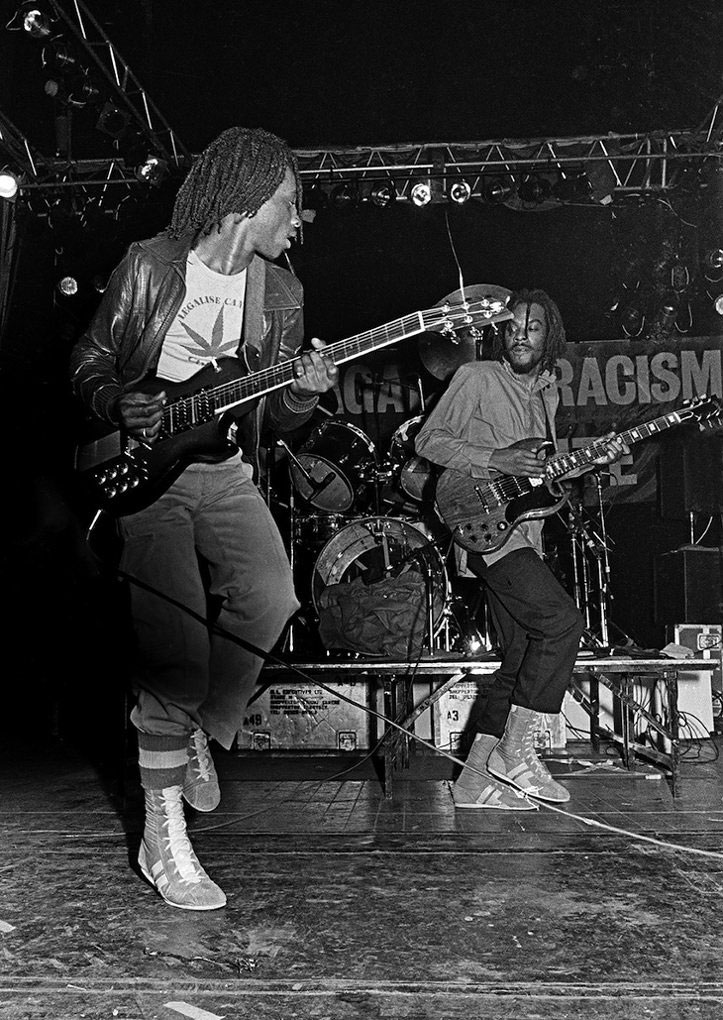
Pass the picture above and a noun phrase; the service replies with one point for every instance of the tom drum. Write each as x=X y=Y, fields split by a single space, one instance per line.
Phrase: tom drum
x=331 y=468
x=415 y=474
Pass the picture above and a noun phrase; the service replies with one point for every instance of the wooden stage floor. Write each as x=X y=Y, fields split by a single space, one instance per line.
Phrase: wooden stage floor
x=345 y=904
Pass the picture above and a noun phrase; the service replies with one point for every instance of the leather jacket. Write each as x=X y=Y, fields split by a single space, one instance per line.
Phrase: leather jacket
x=123 y=342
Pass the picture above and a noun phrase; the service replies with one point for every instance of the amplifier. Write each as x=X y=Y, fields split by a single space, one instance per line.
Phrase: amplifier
x=696 y=688
x=688 y=585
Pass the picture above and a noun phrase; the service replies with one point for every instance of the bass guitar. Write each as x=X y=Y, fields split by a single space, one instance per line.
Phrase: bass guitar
x=124 y=475
x=483 y=513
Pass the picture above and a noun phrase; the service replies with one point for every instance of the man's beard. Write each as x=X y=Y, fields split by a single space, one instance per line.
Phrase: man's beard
x=527 y=367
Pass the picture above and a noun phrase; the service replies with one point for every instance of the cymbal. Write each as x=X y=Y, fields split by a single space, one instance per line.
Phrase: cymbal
x=443 y=353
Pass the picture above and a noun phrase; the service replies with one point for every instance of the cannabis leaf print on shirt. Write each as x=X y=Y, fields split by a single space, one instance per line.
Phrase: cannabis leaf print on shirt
x=216 y=348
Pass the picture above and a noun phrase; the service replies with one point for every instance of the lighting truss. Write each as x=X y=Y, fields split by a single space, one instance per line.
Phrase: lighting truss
x=17 y=150
x=127 y=90
x=638 y=163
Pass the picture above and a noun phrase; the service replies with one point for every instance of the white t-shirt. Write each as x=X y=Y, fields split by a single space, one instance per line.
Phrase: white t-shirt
x=208 y=324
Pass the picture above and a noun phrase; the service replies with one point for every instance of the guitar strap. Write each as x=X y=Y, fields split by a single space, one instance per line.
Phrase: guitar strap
x=253 y=326
x=546 y=395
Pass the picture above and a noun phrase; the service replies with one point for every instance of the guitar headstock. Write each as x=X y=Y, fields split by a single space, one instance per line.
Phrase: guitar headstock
x=706 y=411
x=447 y=318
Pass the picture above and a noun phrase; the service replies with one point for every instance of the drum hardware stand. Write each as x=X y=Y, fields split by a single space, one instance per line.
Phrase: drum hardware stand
x=588 y=543
x=317 y=487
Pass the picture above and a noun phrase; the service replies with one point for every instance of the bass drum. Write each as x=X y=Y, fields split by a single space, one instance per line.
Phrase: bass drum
x=415 y=474
x=373 y=548
x=331 y=470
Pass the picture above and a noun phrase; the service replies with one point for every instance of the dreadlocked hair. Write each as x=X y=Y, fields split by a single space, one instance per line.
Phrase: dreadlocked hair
x=555 y=343
x=236 y=173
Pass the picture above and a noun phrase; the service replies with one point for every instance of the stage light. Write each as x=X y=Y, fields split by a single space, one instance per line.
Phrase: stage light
x=534 y=190
x=664 y=323
x=571 y=187
x=112 y=121
x=712 y=263
x=421 y=193
x=632 y=319
x=153 y=170
x=8 y=184
x=345 y=196
x=67 y=286
x=314 y=198
x=718 y=304
x=498 y=190
x=56 y=58
x=383 y=195
x=36 y=22
x=460 y=192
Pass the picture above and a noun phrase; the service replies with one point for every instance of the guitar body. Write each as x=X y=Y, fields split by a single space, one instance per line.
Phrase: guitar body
x=123 y=475
x=481 y=520
x=481 y=513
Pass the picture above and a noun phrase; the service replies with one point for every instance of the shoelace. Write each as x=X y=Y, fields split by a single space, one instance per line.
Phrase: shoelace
x=202 y=755
x=178 y=844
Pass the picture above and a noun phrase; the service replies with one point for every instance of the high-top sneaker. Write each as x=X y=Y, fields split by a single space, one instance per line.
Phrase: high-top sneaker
x=475 y=787
x=200 y=783
x=167 y=858
x=515 y=760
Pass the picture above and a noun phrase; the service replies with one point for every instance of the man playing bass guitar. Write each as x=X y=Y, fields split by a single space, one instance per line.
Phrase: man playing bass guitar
x=498 y=416
x=205 y=291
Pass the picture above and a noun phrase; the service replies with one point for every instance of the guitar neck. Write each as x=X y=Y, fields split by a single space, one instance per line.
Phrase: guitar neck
x=229 y=394
x=561 y=463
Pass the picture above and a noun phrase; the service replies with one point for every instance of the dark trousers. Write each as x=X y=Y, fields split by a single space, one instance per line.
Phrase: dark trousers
x=538 y=628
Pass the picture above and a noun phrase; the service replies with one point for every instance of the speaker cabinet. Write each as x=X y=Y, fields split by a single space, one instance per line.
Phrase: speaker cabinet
x=690 y=475
x=688 y=585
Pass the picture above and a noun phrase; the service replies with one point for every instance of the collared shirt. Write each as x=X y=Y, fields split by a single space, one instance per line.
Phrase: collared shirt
x=486 y=407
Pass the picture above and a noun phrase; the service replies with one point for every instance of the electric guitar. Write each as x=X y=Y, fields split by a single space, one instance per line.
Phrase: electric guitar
x=482 y=513
x=124 y=475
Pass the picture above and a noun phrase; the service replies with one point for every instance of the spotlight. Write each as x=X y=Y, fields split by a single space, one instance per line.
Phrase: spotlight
x=8 y=184
x=112 y=121
x=56 y=58
x=534 y=190
x=679 y=277
x=153 y=170
x=718 y=304
x=36 y=22
x=665 y=320
x=712 y=262
x=67 y=286
x=632 y=319
x=460 y=192
x=421 y=193
x=314 y=198
x=100 y=283
x=571 y=187
x=345 y=196
x=498 y=190
x=384 y=194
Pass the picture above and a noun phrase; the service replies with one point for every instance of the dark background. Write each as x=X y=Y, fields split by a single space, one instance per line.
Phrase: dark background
x=329 y=73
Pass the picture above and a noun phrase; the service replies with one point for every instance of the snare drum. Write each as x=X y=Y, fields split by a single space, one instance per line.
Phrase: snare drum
x=332 y=467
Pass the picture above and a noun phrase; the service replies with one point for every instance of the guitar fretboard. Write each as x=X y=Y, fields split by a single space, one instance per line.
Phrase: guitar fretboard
x=561 y=463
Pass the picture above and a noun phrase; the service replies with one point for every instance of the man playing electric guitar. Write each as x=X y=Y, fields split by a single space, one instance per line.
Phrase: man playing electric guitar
x=201 y=291
x=499 y=417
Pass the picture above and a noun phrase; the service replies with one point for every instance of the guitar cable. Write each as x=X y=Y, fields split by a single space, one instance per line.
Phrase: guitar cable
x=271 y=657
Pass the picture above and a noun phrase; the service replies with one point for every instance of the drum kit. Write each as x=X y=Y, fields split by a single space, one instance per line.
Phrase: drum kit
x=356 y=515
